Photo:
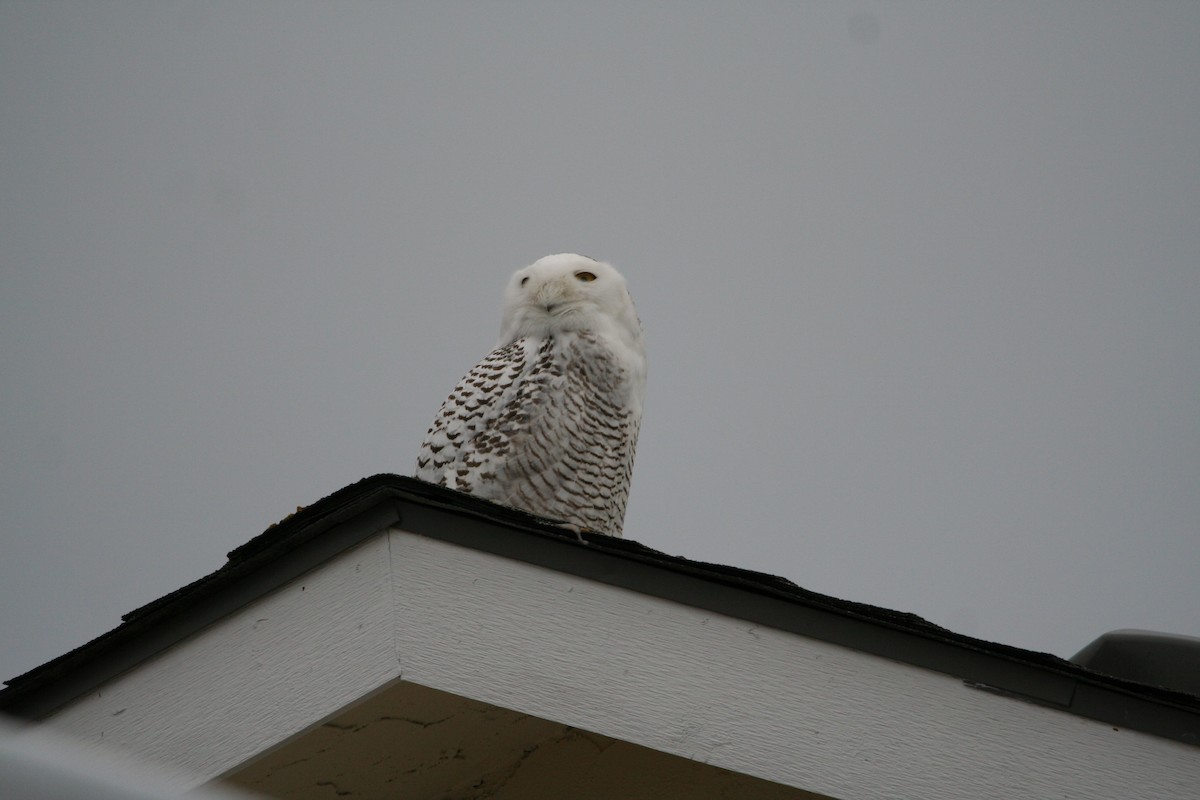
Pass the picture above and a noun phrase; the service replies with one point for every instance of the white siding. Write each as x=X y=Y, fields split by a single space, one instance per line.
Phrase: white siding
x=770 y=704
x=260 y=675
x=653 y=672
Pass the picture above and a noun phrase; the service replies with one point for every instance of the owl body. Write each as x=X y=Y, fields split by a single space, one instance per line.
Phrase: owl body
x=548 y=422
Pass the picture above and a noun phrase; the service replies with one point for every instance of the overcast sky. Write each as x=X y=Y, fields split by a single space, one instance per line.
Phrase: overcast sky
x=920 y=283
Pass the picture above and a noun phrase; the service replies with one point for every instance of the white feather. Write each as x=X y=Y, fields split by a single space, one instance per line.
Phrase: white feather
x=548 y=421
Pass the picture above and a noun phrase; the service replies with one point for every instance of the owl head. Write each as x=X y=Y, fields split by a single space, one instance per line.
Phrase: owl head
x=569 y=292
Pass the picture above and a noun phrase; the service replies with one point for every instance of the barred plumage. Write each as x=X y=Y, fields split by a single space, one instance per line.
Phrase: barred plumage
x=548 y=421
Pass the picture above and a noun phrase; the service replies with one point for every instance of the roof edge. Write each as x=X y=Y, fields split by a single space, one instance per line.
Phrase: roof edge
x=348 y=516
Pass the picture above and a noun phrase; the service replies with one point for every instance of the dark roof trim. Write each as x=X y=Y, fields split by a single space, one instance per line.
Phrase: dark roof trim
x=357 y=512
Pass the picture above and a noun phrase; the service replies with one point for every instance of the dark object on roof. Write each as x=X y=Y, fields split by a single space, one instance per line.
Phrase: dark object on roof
x=1155 y=659
x=361 y=510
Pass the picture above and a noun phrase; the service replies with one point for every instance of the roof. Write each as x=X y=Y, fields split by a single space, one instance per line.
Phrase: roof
x=316 y=533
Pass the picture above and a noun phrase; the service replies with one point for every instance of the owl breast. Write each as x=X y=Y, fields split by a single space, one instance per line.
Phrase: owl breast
x=546 y=425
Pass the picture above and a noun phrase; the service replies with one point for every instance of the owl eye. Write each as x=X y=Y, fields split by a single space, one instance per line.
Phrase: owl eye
x=586 y=277
x=525 y=280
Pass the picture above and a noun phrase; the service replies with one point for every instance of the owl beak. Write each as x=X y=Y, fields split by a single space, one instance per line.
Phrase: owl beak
x=552 y=296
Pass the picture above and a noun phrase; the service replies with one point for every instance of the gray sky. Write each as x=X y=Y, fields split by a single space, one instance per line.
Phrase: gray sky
x=919 y=280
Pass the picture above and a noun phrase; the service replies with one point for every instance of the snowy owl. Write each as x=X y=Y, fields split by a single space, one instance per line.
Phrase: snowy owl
x=549 y=420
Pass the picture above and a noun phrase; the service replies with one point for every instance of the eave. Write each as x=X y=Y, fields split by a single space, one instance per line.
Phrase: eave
x=350 y=515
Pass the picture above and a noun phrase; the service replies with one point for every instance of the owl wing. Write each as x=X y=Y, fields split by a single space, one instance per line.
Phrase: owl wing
x=535 y=428
x=470 y=442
